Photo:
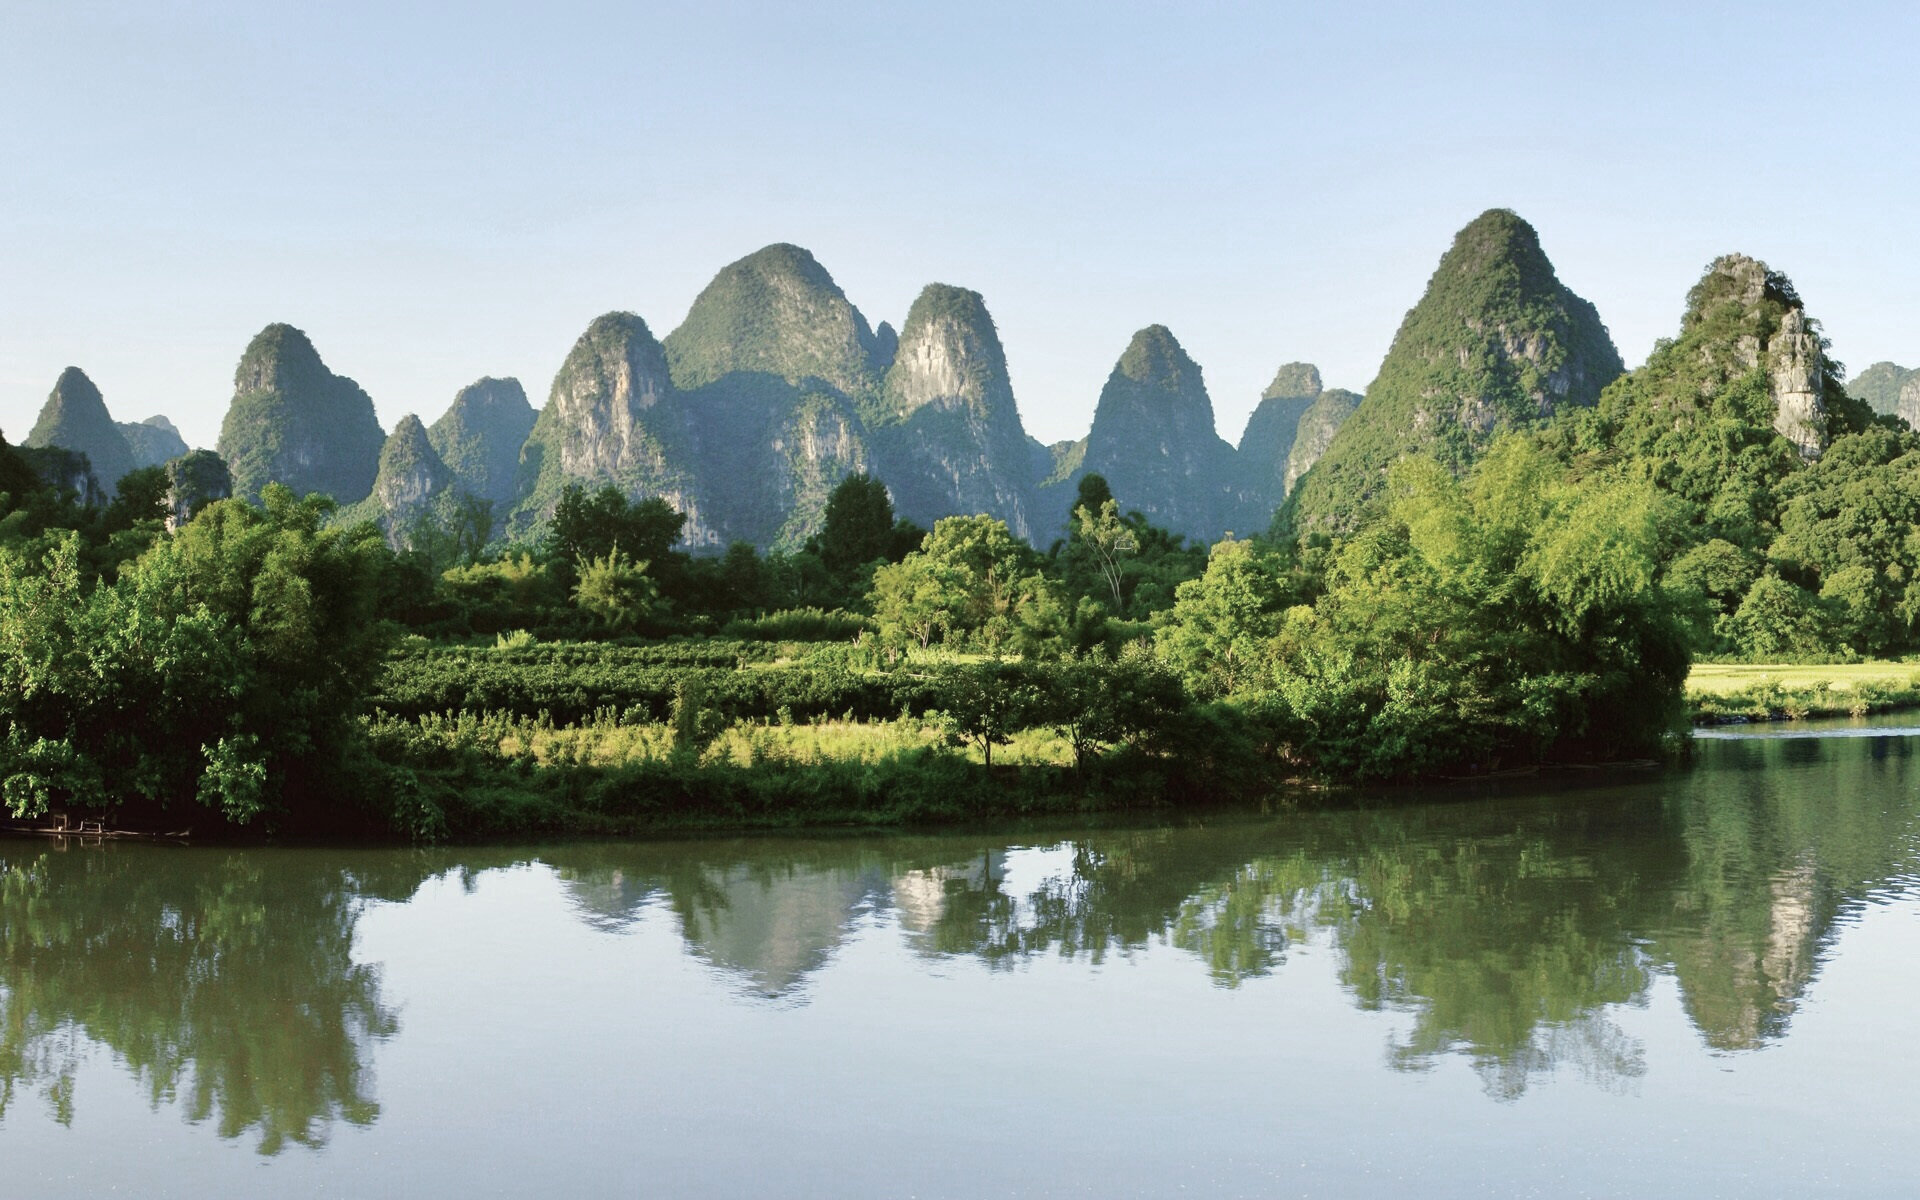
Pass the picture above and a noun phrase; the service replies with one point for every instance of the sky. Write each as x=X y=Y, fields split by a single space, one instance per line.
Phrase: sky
x=437 y=193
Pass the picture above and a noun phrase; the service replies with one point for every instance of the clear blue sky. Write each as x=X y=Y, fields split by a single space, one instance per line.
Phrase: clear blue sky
x=439 y=195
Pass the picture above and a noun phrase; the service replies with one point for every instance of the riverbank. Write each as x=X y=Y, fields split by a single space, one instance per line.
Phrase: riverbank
x=1727 y=693
x=468 y=778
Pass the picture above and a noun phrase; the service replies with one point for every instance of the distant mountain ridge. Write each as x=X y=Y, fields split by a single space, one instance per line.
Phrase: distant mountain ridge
x=771 y=390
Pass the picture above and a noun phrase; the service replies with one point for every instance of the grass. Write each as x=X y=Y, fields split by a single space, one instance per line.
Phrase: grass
x=467 y=775
x=1725 y=679
x=1720 y=692
x=605 y=742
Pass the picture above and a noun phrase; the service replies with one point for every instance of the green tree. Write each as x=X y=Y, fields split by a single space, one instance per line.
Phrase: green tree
x=589 y=525
x=617 y=591
x=970 y=577
x=227 y=667
x=985 y=704
x=1489 y=621
x=1219 y=635
x=858 y=526
x=1109 y=540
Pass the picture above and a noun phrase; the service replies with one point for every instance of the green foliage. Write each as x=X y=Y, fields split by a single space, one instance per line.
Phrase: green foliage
x=592 y=525
x=1097 y=703
x=508 y=593
x=1221 y=633
x=617 y=591
x=226 y=667
x=1496 y=343
x=1130 y=566
x=970 y=580
x=1484 y=624
x=1779 y=620
x=985 y=704
x=800 y=625
x=858 y=528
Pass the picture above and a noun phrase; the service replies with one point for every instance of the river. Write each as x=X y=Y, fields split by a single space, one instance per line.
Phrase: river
x=1696 y=982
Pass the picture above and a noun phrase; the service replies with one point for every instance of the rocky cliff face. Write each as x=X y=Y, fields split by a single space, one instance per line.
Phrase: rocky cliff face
x=1271 y=430
x=413 y=485
x=613 y=416
x=1796 y=376
x=951 y=440
x=1315 y=432
x=75 y=418
x=1907 y=407
x=480 y=437
x=154 y=441
x=293 y=421
x=1743 y=316
x=1154 y=441
x=1496 y=342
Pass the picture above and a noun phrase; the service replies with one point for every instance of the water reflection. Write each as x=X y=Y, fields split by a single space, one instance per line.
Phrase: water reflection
x=1508 y=931
x=224 y=983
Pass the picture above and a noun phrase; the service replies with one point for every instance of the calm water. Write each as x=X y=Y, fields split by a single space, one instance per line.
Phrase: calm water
x=1701 y=983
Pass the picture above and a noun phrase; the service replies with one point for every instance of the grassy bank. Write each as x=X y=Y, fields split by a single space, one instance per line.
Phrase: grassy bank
x=466 y=776
x=1725 y=692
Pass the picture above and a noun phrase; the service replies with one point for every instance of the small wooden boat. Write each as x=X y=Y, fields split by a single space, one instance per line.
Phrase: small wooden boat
x=67 y=825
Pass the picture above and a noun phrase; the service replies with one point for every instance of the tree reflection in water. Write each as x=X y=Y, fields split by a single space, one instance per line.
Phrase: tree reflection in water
x=223 y=981
x=1507 y=931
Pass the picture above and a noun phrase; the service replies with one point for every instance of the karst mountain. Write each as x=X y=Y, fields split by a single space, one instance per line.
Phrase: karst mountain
x=1497 y=342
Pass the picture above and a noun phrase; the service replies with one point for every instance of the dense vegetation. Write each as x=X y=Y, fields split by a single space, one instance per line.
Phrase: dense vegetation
x=1526 y=583
x=1496 y=343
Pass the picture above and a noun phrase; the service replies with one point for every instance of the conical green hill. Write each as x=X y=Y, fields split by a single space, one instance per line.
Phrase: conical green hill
x=1880 y=385
x=76 y=418
x=1749 y=368
x=1496 y=342
x=1271 y=430
x=614 y=417
x=952 y=442
x=780 y=374
x=413 y=484
x=480 y=437
x=1153 y=439
x=292 y=421
x=154 y=441
x=775 y=315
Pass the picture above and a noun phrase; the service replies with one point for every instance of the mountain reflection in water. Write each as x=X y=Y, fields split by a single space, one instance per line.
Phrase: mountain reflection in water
x=1509 y=931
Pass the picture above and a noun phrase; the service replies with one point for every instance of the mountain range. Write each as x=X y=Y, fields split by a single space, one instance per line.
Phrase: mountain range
x=776 y=386
x=773 y=389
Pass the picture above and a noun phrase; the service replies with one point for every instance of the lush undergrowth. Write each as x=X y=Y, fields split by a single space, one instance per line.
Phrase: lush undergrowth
x=1783 y=701
x=1720 y=693
x=465 y=776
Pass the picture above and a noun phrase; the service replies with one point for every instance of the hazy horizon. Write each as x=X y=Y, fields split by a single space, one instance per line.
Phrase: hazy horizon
x=436 y=199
